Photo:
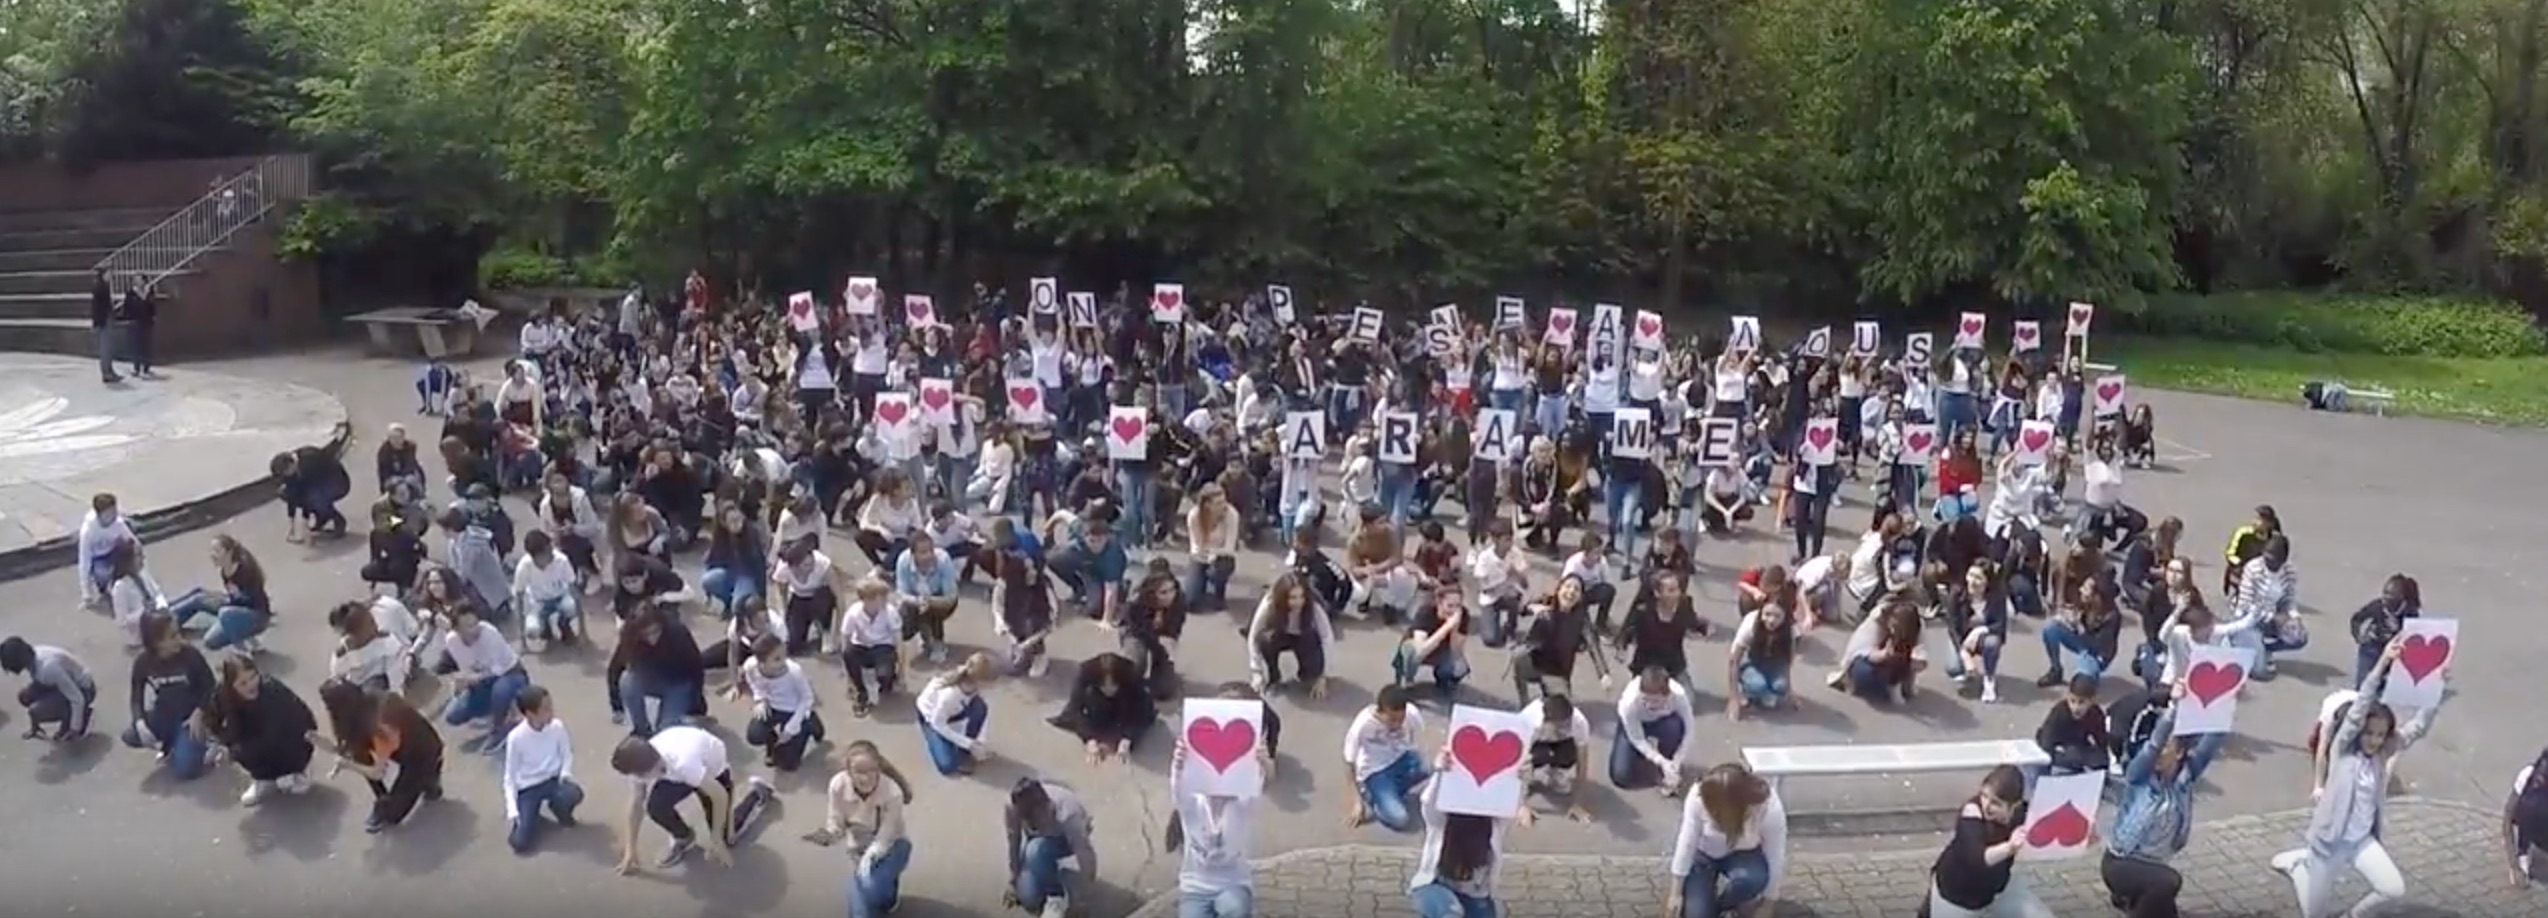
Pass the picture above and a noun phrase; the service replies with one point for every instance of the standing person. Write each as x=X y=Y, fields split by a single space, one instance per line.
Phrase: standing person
x=1462 y=858
x=2351 y=790
x=1731 y=852
x=539 y=771
x=864 y=805
x=1975 y=877
x=674 y=765
x=390 y=744
x=140 y=314
x=2152 y=824
x=101 y=323
x=1045 y=822
x=59 y=689
x=265 y=727
x=172 y=689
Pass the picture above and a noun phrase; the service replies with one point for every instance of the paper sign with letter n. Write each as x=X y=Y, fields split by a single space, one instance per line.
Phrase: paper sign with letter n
x=1606 y=337
x=1367 y=323
x=1494 y=438
x=1222 y=738
x=2081 y=314
x=1818 y=342
x=1820 y=444
x=2034 y=442
x=1484 y=777
x=937 y=401
x=2421 y=674
x=1631 y=433
x=1278 y=298
x=1447 y=315
x=1509 y=313
x=1083 y=308
x=1919 y=444
x=1025 y=400
x=918 y=310
x=1128 y=433
x=2061 y=817
x=801 y=314
x=1744 y=336
x=1717 y=440
x=1561 y=328
x=2109 y=395
x=1918 y=347
x=1044 y=295
x=1866 y=338
x=1647 y=334
x=1167 y=303
x=2025 y=335
x=1972 y=331
x=1305 y=435
x=1399 y=437
x=861 y=294
x=2212 y=678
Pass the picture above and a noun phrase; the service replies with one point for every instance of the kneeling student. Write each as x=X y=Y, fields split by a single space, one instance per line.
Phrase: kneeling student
x=783 y=718
x=674 y=765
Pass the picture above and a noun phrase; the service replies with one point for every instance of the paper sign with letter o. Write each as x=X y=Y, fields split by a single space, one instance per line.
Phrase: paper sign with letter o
x=1820 y=444
x=2025 y=335
x=918 y=310
x=1818 y=342
x=1278 y=297
x=1025 y=401
x=2034 y=445
x=1305 y=434
x=2080 y=315
x=1484 y=777
x=2108 y=395
x=1744 y=336
x=1509 y=313
x=1647 y=334
x=1972 y=330
x=1128 y=432
x=1919 y=445
x=1866 y=337
x=1044 y=295
x=1495 y=433
x=2421 y=674
x=1222 y=738
x=1083 y=308
x=1918 y=347
x=861 y=294
x=2061 y=817
x=801 y=314
x=1561 y=328
x=1167 y=302
x=2212 y=679
x=937 y=401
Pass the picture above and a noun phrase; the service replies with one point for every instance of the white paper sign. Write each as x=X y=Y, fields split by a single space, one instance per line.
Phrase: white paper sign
x=1631 y=433
x=1647 y=334
x=1442 y=342
x=2025 y=335
x=1919 y=445
x=1447 y=315
x=1486 y=749
x=1866 y=338
x=1278 y=298
x=2081 y=314
x=2421 y=673
x=918 y=310
x=2108 y=395
x=2213 y=676
x=1820 y=442
x=893 y=414
x=1818 y=342
x=1305 y=434
x=1719 y=440
x=1917 y=347
x=1223 y=739
x=1399 y=436
x=1509 y=313
x=1044 y=295
x=1128 y=432
x=1561 y=328
x=1494 y=439
x=861 y=294
x=801 y=314
x=2034 y=442
x=937 y=401
x=1972 y=331
x=1745 y=336
x=2061 y=817
x=1607 y=337
x=1167 y=303
x=1367 y=322
x=1026 y=401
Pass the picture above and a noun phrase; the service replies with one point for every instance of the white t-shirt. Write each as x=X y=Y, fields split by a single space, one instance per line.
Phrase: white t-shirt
x=2104 y=487
x=692 y=757
x=1811 y=574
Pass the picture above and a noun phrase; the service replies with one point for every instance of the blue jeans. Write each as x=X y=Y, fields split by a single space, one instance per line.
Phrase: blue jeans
x=1714 y=887
x=1549 y=412
x=954 y=474
x=1504 y=399
x=546 y=616
x=1344 y=407
x=1620 y=500
x=1234 y=902
x=1629 y=769
x=1449 y=669
x=1209 y=584
x=943 y=752
x=1764 y=683
x=1133 y=485
x=1397 y=493
x=188 y=756
x=727 y=586
x=559 y=796
x=1956 y=411
x=1385 y=792
x=231 y=623
x=876 y=889
x=2364 y=658
x=2062 y=642
x=490 y=698
x=1435 y=900
x=106 y=351
x=1865 y=682
x=1039 y=872
x=676 y=699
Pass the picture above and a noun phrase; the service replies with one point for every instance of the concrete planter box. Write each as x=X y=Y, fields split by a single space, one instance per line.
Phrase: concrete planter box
x=533 y=299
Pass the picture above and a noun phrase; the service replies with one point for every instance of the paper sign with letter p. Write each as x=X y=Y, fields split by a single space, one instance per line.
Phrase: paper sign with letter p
x=861 y=296
x=1820 y=444
x=1167 y=303
x=2061 y=817
x=1128 y=433
x=1044 y=295
x=1278 y=298
x=2109 y=395
x=800 y=312
x=2212 y=679
x=1745 y=335
x=1647 y=334
x=1484 y=774
x=2025 y=335
x=2034 y=444
x=2422 y=671
x=1305 y=435
x=1026 y=401
x=1222 y=738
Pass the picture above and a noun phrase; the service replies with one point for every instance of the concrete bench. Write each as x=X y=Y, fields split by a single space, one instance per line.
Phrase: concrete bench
x=1777 y=762
x=2098 y=367
x=438 y=334
x=2376 y=399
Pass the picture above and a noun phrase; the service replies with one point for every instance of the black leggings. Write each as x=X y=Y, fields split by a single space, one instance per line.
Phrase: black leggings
x=788 y=753
x=663 y=805
x=391 y=803
x=1305 y=650
x=2143 y=889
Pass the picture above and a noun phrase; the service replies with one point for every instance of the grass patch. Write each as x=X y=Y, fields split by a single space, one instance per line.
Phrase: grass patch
x=2512 y=390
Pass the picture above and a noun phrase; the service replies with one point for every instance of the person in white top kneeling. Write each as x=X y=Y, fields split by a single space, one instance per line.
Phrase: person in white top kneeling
x=864 y=814
x=674 y=765
x=539 y=764
x=1732 y=849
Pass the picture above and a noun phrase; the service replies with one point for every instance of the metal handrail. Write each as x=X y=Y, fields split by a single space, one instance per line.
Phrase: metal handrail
x=233 y=204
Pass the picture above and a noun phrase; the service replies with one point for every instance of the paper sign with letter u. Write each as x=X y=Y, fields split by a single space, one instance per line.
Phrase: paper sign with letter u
x=1484 y=775
x=2061 y=817
x=1866 y=337
x=1128 y=432
x=2421 y=674
x=1820 y=444
x=1222 y=738
x=2212 y=678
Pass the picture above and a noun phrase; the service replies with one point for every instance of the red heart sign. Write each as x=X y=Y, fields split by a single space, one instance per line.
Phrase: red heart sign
x=1167 y=299
x=2424 y=653
x=918 y=310
x=1220 y=743
x=1972 y=325
x=1559 y=322
x=2207 y=682
x=2062 y=828
x=2035 y=439
x=1919 y=441
x=1818 y=435
x=1128 y=428
x=862 y=290
x=934 y=398
x=1649 y=326
x=2109 y=391
x=1024 y=396
x=1482 y=755
x=800 y=308
x=2080 y=313
x=892 y=412
x=2026 y=334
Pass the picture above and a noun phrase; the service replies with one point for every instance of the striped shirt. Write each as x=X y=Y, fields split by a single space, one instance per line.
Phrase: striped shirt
x=2264 y=591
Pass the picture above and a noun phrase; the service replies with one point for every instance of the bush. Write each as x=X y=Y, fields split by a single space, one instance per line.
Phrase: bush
x=523 y=269
x=2403 y=326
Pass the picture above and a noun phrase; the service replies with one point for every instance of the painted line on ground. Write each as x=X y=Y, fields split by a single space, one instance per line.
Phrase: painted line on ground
x=2183 y=453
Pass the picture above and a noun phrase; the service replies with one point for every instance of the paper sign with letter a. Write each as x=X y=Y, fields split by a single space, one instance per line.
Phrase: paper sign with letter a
x=1083 y=308
x=1631 y=433
x=1510 y=314
x=1278 y=298
x=1717 y=440
x=2423 y=668
x=1866 y=338
x=2081 y=314
x=1223 y=738
x=2025 y=335
x=800 y=312
x=1972 y=331
x=893 y=413
x=1561 y=328
x=1128 y=432
x=1919 y=445
x=1494 y=439
x=2034 y=442
x=861 y=294
x=937 y=401
x=1744 y=336
x=1647 y=334
x=1167 y=303
x=2212 y=679
x=2061 y=817
x=1606 y=337
x=1818 y=342
x=1484 y=776
x=918 y=310
x=1917 y=347
x=1026 y=401
x=1821 y=443
x=1305 y=435
x=1399 y=437
x=2109 y=395
x=1367 y=323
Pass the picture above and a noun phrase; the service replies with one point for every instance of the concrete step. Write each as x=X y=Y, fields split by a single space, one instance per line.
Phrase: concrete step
x=56 y=260
x=49 y=336
x=66 y=306
x=57 y=239
x=134 y=220
x=46 y=282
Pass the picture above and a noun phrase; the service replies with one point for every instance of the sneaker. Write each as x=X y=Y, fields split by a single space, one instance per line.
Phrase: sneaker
x=294 y=784
x=257 y=792
x=2052 y=679
x=937 y=654
x=674 y=854
x=1057 y=906
x=535 y=642
x=1834 y=680
x=1036 y=669
x=619 y=718
x=1990 y=691
x=2288 y=861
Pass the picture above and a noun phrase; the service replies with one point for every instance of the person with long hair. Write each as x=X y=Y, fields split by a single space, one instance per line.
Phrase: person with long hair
x=539 y=766
x=1435 y=643
x=863 y=813
x=1977 y=628
x=656 y=660
x=1761 y=660
x=1730 y=855
x=675 y=765
x=1212 y=543
x=392 y=746
x=265 y=727
x=1287 y=621
x=2526 y=821
x=237 y=613
x=2152 y=823
x=1462 y=858
x=172 y=689
x=1975 y=877
x=1882 y=661
x=952 y=716
x=1110 y=707
x=2350 y=790
x=129 y=595
x=1214 y=836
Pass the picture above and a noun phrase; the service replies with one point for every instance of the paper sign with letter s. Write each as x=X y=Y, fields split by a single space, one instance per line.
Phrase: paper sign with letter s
x=1484 y=774
x=1128 y=433
x=2061 y=817
x=1918 y=347
x=2213 y=676
x=1222 y=739
x=2421 y=674
x=2034 y=444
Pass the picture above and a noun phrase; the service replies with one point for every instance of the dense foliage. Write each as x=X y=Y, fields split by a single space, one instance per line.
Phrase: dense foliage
x=1779 y=153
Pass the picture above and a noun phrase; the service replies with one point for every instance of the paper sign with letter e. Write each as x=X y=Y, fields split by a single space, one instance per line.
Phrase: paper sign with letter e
x=2034 y=442
x=1821 y=443
x=937 y=401
x=893 y=412
x=1398 y=435
x=2109 y=396
x=1485 y=774
x=1631 y=433
x=2061 y=817
x=1128 y=432
x=1866 y=337
x=918 y=310
x=2423 y=667
x=1510 y=314
x=1744 y=336
x=1278 y=298
x=1818 y=342
x=1026 y=401
x=1168 y=303
x=1917 y=347
x=1972 y=331
x=1367 y=322
x=861 y=295
x=1647 y=334
x=1222 y=738
x=2080 y=315
x=2025 y=335
x=1919 y=445
x=1044 y=295
x=1717 y=441
x=1083 y=308
x=2212 y=678
x=800 y=312
x=1305 y=434
x=1561 y=328
x=1495 y=428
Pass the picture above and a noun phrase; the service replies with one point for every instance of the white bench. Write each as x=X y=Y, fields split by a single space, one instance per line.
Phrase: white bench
x=1776 y=762
x=439 y=334
x=2376 y=399
x=2098 y=367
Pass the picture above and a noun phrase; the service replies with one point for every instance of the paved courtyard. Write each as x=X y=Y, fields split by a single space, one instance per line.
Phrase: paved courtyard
x=2363 y=497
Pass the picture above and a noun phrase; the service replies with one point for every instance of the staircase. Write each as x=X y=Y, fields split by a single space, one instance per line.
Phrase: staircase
x=49 y=258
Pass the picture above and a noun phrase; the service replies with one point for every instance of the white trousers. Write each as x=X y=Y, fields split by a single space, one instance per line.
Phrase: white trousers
x=2314 y=878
